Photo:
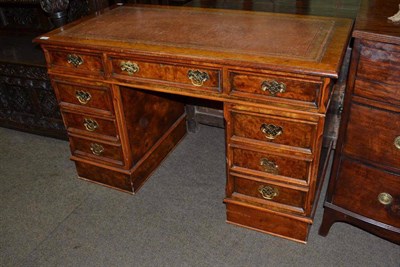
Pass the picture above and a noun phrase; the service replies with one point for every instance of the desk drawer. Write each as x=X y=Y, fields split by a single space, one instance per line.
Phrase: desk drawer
x=374 y=135
x=269 y=87
x=105 y=152
x=269 y=165
x=96 y=97
x=199 y=77
x=76 y=61
x=268 y=193
x=378 y=198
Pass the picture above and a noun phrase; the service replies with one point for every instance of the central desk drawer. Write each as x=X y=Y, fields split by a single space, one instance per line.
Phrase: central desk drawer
x=146 y=71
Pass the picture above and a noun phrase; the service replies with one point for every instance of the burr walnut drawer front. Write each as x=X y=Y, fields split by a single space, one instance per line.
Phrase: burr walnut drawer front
x=105 y=152
x=264 y=163
x=173 y=74
x=270 y=129
x=374 y=135
x=378 y=198
x=266 y=86
x=378 y=73
x=268 y=193
x=76 y=61
x=81 y=95
x=90 y=124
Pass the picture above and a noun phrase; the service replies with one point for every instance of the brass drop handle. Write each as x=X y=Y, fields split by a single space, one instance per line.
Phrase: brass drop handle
x=268 y=192
x=273 y=87
x=75 y=60
x=83 y=96
x=271 y=131
x=129 y=67
x=96 y=149
x=90 y=124
x=198 y=77
x=385 y=198
x=269 y=166
x=397 y=142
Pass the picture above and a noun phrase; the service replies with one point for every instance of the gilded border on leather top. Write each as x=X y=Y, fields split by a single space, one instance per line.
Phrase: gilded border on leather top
x=261 y=34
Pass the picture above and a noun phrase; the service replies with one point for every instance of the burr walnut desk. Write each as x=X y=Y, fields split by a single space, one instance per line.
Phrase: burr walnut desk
x=120 y=78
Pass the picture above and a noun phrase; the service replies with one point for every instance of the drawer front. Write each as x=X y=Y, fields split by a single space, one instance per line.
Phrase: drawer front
x=280 y=87
x=198 y=77
x=268 y=194
x=268 y=164
x=77 y=61
x=90 y=124
x=96 y=150
x=374 y=135
x=273 y=130
x=378 y=74
x=84 y=95
x=365 y=191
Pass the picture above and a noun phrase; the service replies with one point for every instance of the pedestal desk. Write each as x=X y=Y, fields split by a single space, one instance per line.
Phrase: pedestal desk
x=121 y=79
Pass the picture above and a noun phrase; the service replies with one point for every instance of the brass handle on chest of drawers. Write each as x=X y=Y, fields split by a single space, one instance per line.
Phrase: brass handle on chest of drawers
x=75 y=60
x=129 y=67
x=271 y=131
x=90 y=124
x=198 y=77
x=82 y=96
x=268 y=192
x=96 y=149
x=385 y=198
x=397 y=142
x=269 y=166
x=273 y=87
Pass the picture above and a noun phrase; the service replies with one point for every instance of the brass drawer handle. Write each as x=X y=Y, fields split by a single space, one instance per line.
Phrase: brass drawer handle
x=90 y=124
x=198 y=77
x=397 y=142
x=129 y=67
x=96 y=149
x=271 y=131
x=83 y=96
x=273 y=87
x=75 y=60
x=385 y=198
x=268 y=192
x=269 y=166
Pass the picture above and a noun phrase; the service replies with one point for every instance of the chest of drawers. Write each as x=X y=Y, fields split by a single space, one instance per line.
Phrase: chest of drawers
x=120 y=85
x=364 y=189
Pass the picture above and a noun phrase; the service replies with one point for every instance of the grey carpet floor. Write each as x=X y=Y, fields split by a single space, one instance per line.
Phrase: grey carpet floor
x=50 y=218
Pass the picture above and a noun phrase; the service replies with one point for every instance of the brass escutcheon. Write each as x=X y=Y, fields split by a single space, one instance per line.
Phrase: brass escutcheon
x=96 y=149
x=269 y=166
x=397 y=142
x=271 y=131
x=75 y=60
x=268 y=192
x=129 y=67
x=385 y=198
x=90 y=124
x=83 y=96
x=198 y=77
x=273 y=87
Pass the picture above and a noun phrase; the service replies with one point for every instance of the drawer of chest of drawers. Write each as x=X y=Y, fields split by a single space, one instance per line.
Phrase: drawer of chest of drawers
x=89 y=124
x=197 y=77
x=276 y=196
x=274 y=87
x=100 y=151
x=86 y=96
x=270 y=165
x=374 y=135
x=75 y=61
x=378 y=73
x=272 y=130
x=378 y=198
